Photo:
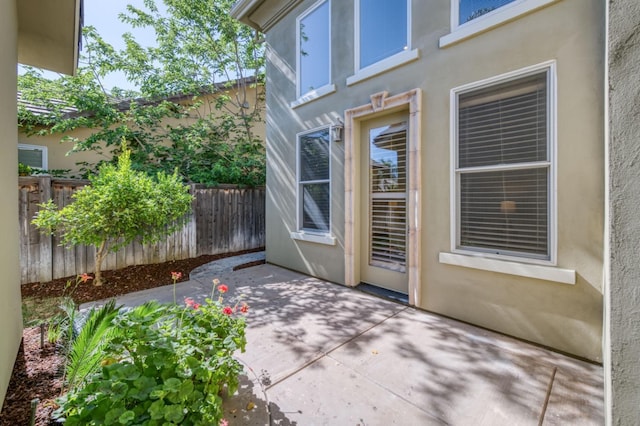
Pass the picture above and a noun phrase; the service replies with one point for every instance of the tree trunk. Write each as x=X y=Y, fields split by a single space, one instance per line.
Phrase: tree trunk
x=100 y=252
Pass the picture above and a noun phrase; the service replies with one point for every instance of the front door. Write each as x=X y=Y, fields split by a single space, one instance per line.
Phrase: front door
x=384 y=202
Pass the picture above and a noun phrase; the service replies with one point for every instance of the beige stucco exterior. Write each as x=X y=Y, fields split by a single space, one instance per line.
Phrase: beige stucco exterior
x=14 y=23
x=59 y=145
x=10 y=305
x=569 y=35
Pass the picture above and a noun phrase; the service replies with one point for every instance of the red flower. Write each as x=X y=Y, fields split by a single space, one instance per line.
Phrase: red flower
x=85 y=277
x=191 y=303
x=224 y=422
x=227 y=310
x=244 y=308
x=223 y=288
x=175 y=276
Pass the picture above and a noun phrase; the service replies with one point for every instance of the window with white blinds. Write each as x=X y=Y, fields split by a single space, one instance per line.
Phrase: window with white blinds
x=34 y=156
x=314 y=185
x=503 y=168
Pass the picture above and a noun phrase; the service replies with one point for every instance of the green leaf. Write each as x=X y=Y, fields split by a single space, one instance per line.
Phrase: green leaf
x=127 y=417
x=156 y=409
x=113 y=415
x=172 y=385
x=173 y=413
x=186 y=389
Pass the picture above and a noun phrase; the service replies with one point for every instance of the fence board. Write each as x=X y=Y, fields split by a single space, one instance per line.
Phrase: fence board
x=223 y=219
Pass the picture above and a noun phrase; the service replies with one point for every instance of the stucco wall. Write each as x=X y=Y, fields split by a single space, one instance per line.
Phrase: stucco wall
x=10 y=313
x=59 y=156
x=571 y=32
x=623 y=366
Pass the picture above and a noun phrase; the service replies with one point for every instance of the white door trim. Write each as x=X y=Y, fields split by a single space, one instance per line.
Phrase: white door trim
x=382 y=104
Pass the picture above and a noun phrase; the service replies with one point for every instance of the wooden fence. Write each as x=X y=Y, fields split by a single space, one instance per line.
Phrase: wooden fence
x=224 y=219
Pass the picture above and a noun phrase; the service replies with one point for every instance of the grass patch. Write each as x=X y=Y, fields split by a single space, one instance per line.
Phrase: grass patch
x=36 y=310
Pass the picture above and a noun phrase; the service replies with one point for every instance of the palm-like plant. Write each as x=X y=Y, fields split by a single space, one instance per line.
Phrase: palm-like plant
x=84 y=338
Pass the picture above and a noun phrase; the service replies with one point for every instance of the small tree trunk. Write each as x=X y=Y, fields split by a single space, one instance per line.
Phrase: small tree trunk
x=100 y=252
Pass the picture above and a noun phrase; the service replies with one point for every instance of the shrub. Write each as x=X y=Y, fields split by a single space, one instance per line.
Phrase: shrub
x=120 y=205
x=167 y=365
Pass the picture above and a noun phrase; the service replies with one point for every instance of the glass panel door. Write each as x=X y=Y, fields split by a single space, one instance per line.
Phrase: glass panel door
x=384 y=203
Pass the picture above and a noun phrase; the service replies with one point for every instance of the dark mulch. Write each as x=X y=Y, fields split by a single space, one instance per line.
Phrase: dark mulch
x=36 y=373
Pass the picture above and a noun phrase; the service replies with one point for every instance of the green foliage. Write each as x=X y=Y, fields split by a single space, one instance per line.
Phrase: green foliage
x=24 y=170
x=86 y=349
x=119 y=206
x=62 y=325
x=166 y=365
x=200 y=50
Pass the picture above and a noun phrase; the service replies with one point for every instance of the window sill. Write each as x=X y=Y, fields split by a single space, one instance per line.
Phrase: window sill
x=499 y=17
x=540 y=272
x=313 y=95
x=384 y=65
x=314 y=238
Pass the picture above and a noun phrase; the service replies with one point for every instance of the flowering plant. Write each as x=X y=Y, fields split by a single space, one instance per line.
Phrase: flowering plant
x=167 y=365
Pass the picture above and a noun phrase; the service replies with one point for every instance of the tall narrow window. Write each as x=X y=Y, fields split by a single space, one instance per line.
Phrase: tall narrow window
x=314 y=48
x=314 y=185
x=468 y=10
x=503 y=170
x=383 y=30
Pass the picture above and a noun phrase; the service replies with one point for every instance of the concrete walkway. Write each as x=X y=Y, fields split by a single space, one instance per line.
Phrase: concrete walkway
x=323 y=354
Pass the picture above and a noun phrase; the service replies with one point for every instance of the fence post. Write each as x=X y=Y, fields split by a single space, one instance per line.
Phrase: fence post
x=46 y=240
x=192 y=239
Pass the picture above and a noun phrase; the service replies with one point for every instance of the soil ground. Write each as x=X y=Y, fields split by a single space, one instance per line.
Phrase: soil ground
x=37 y=370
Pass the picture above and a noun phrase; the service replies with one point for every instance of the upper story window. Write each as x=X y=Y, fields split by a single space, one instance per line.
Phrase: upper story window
x=382 y=30
x=314 y=48
x=470 y=18
x=314 y=181
x=503 y=167
x=34 y=156
x=468 y=10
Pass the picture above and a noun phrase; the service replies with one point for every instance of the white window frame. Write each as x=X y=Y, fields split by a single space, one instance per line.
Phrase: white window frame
x=385 y=64
x=550 y=68
x=310 y=95
x=45 y=154
x=490 y=20
x=310 y=235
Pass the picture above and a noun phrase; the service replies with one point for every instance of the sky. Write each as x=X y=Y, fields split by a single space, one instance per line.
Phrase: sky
x=103 y=15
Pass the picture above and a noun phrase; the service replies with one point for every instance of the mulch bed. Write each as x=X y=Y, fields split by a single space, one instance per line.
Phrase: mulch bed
x=37 y=371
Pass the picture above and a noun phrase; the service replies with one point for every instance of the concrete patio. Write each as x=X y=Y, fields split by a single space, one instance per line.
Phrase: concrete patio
x=320 y=353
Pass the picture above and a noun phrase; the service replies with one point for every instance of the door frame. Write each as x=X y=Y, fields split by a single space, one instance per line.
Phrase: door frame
x=381 y=104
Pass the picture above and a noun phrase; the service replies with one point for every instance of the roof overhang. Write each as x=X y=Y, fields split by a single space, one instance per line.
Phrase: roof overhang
x=49 y=34
x=262 y=14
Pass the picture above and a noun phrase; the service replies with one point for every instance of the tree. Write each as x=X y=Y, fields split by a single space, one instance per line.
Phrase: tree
x=200 y=50
x=119 y=206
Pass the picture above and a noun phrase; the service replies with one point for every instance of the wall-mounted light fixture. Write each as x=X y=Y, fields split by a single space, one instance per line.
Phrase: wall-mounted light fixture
x=337 y=130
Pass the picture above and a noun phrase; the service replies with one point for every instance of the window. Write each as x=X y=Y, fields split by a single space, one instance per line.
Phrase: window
x=382 y=30
x=314 y=43
x=314 y=185
x=503 y=167
x=473 y=17
x=469 y=10
x=34 y=156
